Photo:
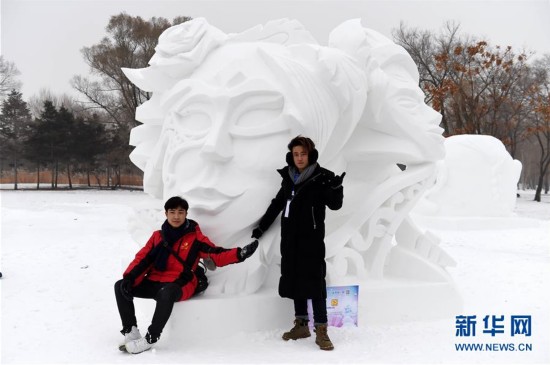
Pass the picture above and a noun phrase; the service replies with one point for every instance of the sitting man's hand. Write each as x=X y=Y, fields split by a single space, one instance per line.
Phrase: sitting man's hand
x=248 y=250
x=185 y=276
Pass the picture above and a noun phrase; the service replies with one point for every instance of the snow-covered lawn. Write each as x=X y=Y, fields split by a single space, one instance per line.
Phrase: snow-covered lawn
x=61 y=253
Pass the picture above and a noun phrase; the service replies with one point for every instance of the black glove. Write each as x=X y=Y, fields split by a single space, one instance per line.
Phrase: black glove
x=248 y=250
x=185 y=277
x=126 y=289
x=336 y=181
x=257 y=233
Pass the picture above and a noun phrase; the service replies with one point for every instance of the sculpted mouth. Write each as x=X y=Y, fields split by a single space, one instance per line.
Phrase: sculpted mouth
x=210 y=200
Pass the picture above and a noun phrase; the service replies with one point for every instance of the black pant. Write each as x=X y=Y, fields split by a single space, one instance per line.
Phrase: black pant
x=319 y=309
x=165 y=294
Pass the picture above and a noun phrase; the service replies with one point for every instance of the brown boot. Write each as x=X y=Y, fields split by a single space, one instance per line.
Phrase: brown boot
x=322 y=338
x=300 y=330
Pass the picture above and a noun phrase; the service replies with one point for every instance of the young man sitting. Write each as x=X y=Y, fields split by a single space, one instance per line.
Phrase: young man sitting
x=166 y=270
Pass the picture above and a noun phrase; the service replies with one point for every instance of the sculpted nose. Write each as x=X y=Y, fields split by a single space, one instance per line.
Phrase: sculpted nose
x=218 y=146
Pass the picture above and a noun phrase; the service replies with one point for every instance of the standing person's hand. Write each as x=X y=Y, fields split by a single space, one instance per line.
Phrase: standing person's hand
x=336 y=181
x=257 y=233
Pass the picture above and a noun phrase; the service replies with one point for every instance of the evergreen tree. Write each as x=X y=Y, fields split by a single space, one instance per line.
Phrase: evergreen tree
x=14 y=125
x=41 y=145
x=66 y=144
x=59 y=138
x=90 y=144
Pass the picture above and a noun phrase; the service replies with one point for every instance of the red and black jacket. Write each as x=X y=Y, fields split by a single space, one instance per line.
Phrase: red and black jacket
x=191 y=247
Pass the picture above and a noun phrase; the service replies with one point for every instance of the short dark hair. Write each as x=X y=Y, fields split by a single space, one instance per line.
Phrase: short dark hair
x=176 y=202
x=305 y=142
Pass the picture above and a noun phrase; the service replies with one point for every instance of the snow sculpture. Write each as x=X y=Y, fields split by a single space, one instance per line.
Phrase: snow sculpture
x=478 y=178
x=223 y=108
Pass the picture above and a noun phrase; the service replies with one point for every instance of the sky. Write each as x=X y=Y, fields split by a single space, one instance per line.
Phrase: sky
x=44 y=37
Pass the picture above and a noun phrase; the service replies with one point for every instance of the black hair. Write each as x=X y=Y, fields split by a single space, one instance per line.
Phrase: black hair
x=176 y=202
x=309 y=146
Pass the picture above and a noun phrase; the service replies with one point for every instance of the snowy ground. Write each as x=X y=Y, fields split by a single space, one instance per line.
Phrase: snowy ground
x=62 y=251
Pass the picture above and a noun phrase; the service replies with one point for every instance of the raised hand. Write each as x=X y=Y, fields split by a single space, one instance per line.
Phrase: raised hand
x=336 y=181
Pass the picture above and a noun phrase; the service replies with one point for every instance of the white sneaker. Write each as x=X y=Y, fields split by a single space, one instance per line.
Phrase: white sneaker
x=139 y=345
x=132 y=335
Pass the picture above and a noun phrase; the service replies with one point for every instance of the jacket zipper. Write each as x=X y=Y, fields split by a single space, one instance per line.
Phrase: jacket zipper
x=307 y=182
x=297 y=191
x=313 y=216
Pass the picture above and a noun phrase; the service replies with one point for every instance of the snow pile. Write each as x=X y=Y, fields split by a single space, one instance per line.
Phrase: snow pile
x=478 y=178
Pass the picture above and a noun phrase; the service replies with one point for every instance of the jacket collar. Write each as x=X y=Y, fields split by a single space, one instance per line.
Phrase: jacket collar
x=285 y=175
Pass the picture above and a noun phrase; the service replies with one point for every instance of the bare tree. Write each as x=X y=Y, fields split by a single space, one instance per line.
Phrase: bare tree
x=432 y=54
x=486 y=79
x=540 y=126
x=131 y=43
x=36 y=102
x=8 y=77
x=518 y=107
x=477 y=88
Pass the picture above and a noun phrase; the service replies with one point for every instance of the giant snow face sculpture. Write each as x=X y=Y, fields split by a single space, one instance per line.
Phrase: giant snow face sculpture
x=477 y=178
x=223 y=110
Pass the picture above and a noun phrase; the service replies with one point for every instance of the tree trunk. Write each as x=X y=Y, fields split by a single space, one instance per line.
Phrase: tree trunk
x=38 y=176
x=539 y=189
x=546 y=182
x=56 y=173
x=444 y=123
x=53 y=165
x=118 y=172
x=88 y=176
x=15 y=172
x=513 y=148
x=543 y=170
x=98 y=179
x=69 y=175
x=53 y=176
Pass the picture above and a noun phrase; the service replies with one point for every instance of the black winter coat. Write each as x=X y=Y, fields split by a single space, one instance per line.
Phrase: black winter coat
x=303 y=266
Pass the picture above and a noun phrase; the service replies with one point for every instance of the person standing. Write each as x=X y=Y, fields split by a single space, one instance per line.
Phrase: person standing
x=306 y=190
x=167 y=270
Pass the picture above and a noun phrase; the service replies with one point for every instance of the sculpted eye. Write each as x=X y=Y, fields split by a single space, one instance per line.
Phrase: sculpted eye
x=193 y=121
x=408 y=103
x=257 y=118
x=409 y=99
x=257 y=112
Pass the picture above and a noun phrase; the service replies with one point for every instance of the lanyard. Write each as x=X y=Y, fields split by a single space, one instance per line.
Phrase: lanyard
x=287 y=209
